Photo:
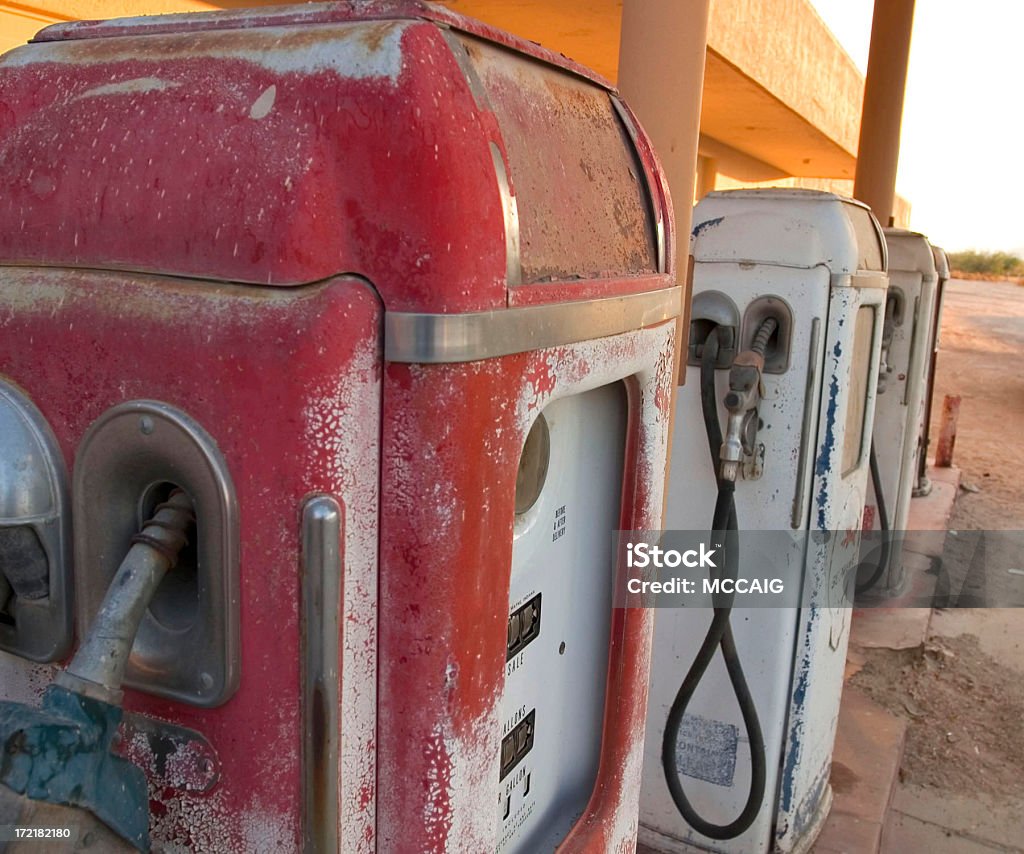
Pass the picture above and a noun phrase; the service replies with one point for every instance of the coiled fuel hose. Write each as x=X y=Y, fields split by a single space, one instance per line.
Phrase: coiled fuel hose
x=724 y=526
x=883 y=523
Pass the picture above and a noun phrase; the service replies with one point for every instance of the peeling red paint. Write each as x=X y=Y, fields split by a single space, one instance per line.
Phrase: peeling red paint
x=302 y=194
x=446 y=549
x=246 y=364
x=542 y=380
x=198 y=153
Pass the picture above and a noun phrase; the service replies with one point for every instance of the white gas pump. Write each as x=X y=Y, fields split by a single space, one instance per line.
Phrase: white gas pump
x=899 y=415
x=786 y=324
x=923 y=486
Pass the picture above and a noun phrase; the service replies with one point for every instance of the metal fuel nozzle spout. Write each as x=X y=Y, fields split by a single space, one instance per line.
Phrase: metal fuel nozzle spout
x=741 y=401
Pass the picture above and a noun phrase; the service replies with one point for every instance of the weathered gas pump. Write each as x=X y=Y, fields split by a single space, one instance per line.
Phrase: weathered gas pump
x=923 y=486
x=785 y=327
x=307 y=269
x=906 y=352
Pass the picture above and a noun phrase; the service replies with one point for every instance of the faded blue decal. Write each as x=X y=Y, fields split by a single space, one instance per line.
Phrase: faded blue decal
x=61 y=753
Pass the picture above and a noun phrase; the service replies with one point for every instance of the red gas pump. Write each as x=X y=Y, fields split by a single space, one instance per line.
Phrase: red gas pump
x=386 y=294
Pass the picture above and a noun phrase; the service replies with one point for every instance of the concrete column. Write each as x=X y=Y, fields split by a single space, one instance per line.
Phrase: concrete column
x=661 y=76
x=879 y=148
x=707 y=175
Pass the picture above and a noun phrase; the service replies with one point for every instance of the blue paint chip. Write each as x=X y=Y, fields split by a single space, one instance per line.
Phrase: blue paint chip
x=821 y=468
x=707 y=750
x=796 y=730
x=708 y=223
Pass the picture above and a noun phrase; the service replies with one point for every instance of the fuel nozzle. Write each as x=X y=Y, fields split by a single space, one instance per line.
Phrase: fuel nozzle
x=893 y=308
x=745 y=392
x=62 y=752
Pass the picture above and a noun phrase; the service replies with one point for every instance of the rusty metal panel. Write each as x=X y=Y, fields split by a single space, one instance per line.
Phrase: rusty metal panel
x=270 y=155
x=294 y=408
x=588 y=166
x=257 y=148
x=446 y=555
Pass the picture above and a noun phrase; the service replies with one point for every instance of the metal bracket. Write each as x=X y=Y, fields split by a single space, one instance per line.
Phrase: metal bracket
x=173 y=757
x=776 y=358
x=710 y=309
x=187 y=646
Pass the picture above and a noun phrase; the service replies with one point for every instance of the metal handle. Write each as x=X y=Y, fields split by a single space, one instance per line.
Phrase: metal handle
x=813 y=364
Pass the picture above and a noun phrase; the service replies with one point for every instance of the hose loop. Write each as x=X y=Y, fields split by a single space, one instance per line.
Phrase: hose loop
x=719 y=635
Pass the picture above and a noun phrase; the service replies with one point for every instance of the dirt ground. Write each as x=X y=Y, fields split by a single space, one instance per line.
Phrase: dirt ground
x=966 y=712
x=960 y=788
x=982 y=344
x=961 y=783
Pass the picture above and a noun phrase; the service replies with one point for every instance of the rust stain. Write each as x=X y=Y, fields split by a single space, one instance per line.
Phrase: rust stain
x=257 y=41
x=372 y=35
x=591 y=160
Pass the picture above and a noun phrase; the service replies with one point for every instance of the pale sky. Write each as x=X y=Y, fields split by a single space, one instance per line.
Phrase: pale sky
x=962 y=150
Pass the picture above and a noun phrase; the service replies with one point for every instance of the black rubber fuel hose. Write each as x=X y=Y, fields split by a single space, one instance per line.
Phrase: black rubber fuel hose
x=883 y=523
x=724 y=526
x=764 y=335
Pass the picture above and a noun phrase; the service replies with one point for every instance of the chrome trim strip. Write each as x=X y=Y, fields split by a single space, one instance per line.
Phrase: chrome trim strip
x=813 y=361
x=457 y=45
x=446 y=338
x=509 y=207
x=863 y=279
x=913 y=369
x=510 y=213
x=652 y=197
x=321 y=604
x=660 y=236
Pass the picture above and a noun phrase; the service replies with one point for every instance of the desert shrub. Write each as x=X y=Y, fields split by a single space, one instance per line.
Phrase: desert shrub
x=987 y=263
